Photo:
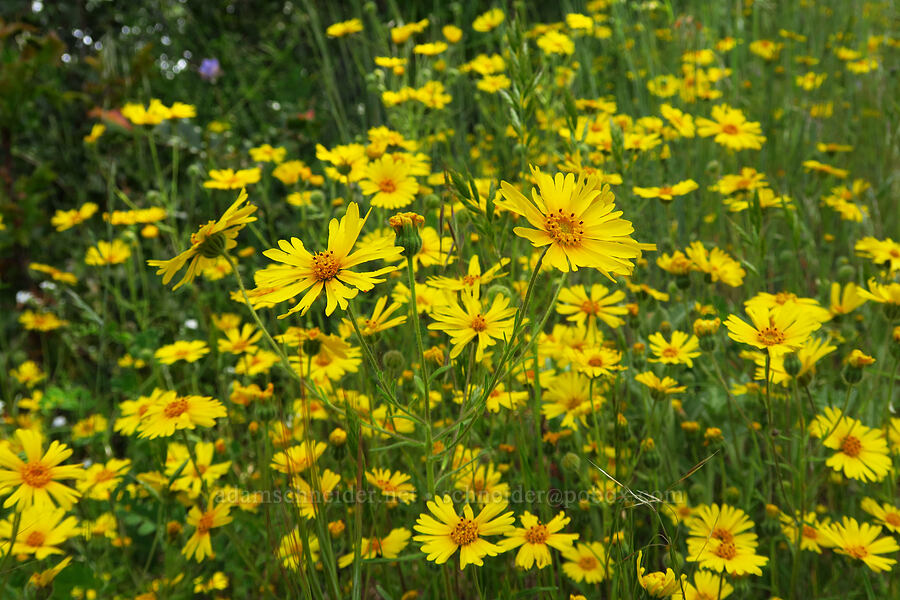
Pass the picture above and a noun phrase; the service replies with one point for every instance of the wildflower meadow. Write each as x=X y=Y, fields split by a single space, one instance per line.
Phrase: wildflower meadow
x=432 y=300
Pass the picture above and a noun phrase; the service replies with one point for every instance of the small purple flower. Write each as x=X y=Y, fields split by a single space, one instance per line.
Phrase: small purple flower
x=210 y=70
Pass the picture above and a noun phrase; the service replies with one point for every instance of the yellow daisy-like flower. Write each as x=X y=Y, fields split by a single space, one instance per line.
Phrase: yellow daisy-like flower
x=66 y=219
x=229 y=179
x=579 y=306
x=861 y=541
x=449 y=532
x=344 y=28
x=731 y=129
x=171 y=412
x=267 y=153
x=534 y=540
x=778 y=330
x=587 y=562
x=37 y=477
x=667 y=193
x=470 y=321
x=888 y=293
x=389 y=183
x=107 y=253
x=297 y=459
x=328 y=270
x=208 y=243
x=471 y=282
x=707 y=586
x=389 y=546
x=682 y=349
x=886 y=514
x=488 y=20
x=578 y=223
x=862 y=452
x=657 y=583
x=395 y=485
x=41 y=530
x=659 y=388
x=199 y=545
x=188 y=351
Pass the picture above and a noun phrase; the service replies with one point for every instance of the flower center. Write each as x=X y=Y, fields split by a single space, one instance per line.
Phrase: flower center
x=175 y=409
x=386 y=486
x=325 y=265
x=104 y=475
x=465 y=532
x=590 y=307
x=770 y=336
x=564 y=229
x=857 y=551
x=537 y=534
x=810 y=532
x=670 y=352
x=722 y=534
x=36 y=475
x=596 y=361
x=36 y=539
x=665 y=190
x=479 y=323
x=388 y=186
x=726 y=550
x=892 y=519
x=851 y=446
x=587 y=563
x=469 y=280
x=730 y=129
x=205 y=523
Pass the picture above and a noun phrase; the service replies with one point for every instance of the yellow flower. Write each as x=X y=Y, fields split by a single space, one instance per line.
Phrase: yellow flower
x=107 y=253
x=534 y=540
x=28 y=373
x=554 y=42
x=442 y=537
x=861 y=541
x=297 y=459
x=55 y=273
x=587 y=562
x=37 y=477
x=469 y=321
x=577 y=222
x=41 y=321
x=190 y=478
x=721 y=538
x=888 y=293
x=731 y=129
x=208 y=243
x=41 y=530
x=452 y=33
x=600 y=304
x=659 y=584
x=229 y=179
x=379 y=321
x=493 y=83
x=389 y=546
x=97 y=130
x=431 y=49
x=716 y=263
x=389 y=183
x=66 y=219
x=667 y=193
x=344 y=28
x=101 y=479
x=471 y=282
x=294 y=555
x=395 y=485
x=681 y=350
x=239 y=341
x=266 y=153
x=778 y=330
x=171 y=412
x=707 y=586
x=886 y=514
x=45 y=578
x=862 y=452
x=328 y=270
x=489 y=20
x=188 y=351
x=199 y=545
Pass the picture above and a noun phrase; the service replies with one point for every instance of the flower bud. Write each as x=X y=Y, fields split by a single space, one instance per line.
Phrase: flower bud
x=792 y=364
x=406 y=226
x=213 y=246
x=393 y=363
